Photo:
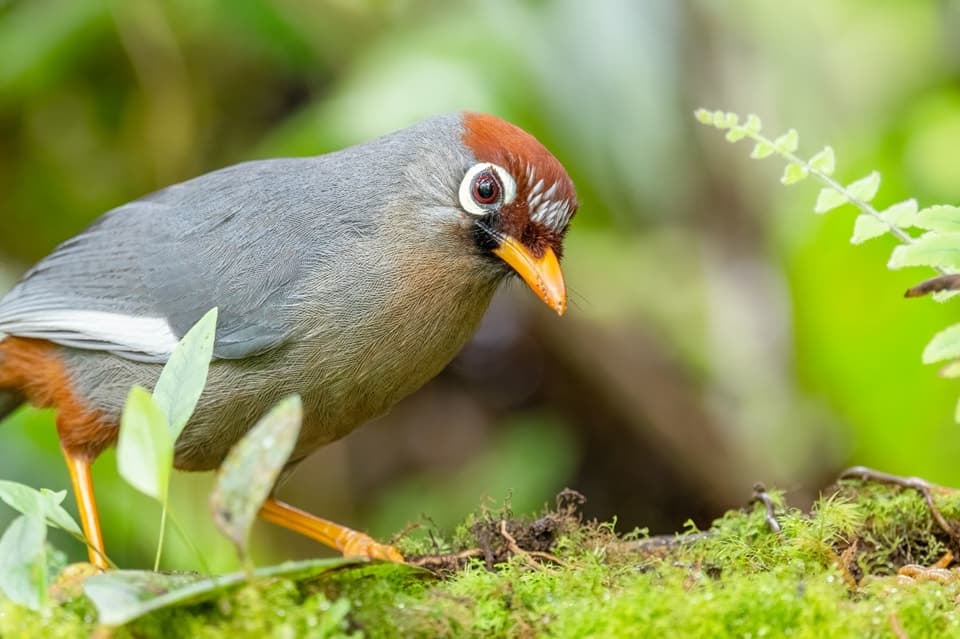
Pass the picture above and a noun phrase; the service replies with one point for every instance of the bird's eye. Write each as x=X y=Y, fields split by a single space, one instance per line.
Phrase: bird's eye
x=486 y=188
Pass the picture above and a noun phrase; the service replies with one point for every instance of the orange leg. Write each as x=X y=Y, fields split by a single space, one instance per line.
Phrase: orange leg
x=79 y=466
x=349 y=542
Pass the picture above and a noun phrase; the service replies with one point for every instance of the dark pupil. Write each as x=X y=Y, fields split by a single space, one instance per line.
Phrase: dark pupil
x=485 y=189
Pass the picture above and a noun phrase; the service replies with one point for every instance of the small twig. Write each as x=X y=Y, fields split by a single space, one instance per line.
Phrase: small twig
x=662 y=545
x=526 y=555
x=897 y=628
x=760 y=494
x=514 y=548
x=442 y=561
x=539 y=554
x=406 y=530
x=847 y=559
x=922 y=486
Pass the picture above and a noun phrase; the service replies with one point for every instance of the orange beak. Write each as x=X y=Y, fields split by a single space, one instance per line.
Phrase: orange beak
x=542 y=274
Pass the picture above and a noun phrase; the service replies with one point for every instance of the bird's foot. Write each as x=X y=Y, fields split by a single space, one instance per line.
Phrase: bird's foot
x=357 y=544
x=350 y=542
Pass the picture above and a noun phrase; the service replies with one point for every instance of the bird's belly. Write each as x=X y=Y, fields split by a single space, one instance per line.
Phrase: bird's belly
x=342 y=385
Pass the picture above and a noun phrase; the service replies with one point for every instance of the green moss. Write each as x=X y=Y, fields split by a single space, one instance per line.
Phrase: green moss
x=828 y=573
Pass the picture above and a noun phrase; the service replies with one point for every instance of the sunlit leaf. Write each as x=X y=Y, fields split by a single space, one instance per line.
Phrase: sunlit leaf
x=144 y=449
x=951 y=370
x=124 y=595
x=793 y=173
x=931 y=249
x=829 y=199
x=902 y=215
x=703 y=116
x=23 y=561
x=944 y=345
x=185 y=374
x=866 y=228
x=944 y=219
x=762 y=150
x=824 y=161
x=43 y=504
x=944 y=296
x=736 y=134
x=251 y=468
x=865 y=188
x=753 y=124
x=788 y=142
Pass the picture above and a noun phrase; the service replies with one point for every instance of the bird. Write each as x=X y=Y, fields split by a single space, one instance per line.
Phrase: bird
x=351 y=278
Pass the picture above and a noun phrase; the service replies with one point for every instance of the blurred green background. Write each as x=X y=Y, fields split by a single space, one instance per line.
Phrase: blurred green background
x=719 y=332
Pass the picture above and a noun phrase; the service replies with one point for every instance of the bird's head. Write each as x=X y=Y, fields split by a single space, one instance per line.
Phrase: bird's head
x=516 y=201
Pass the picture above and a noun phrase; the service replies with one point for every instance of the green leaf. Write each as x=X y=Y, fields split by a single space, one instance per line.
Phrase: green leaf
x=942 y=218
x=144 y=450
x=824 y=161
x=753 y=124
x=865 y=188
x=951 y=370
x=793 y=173
x=124 y=595
x=931 y=249
x=703 y=116
x=944 y=296
x=43 y=504
x=184 y=376
x=23 y=561
x=866 y=228
x=39 y=42
x=902 y=214
x=736 y=134
x=788 y=142
x=720 y=119
x=251 y=468
x=762 y=150
x=944 y=345
x=829 y=199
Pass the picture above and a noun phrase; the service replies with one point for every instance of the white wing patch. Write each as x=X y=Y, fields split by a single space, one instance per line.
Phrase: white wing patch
x=145 y=338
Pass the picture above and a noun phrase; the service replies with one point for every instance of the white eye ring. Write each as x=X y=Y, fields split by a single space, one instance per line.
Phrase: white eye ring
x=469 y=204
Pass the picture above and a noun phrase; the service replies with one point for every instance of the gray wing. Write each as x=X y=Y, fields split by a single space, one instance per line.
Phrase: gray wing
x=137 y=279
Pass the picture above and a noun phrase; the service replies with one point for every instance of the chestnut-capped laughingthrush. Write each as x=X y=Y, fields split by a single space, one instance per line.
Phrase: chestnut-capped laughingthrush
x=351 y=278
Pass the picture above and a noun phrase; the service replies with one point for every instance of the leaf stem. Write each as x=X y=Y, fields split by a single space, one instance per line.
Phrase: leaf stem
x=189 y=542
x=163 y=528
x=83 y=540
x=865 y=207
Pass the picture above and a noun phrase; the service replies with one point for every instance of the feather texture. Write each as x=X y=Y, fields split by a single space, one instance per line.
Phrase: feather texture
x=350 y=278
x=252 y=239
